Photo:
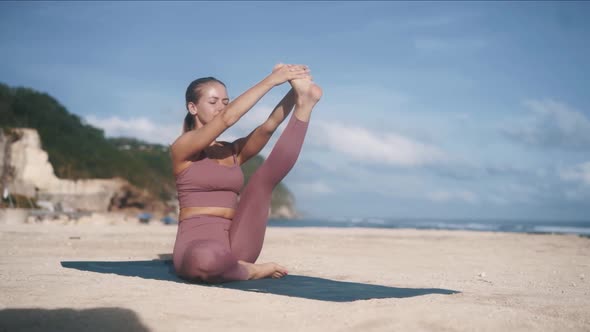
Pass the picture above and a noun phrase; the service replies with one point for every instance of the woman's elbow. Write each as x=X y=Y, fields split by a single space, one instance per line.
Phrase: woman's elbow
x=269 y=127
x=229 y=119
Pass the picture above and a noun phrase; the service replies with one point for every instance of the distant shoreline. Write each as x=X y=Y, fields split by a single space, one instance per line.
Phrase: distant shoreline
x=484 y=225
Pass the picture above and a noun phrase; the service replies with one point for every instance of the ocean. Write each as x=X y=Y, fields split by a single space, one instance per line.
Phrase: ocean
x=514 y=226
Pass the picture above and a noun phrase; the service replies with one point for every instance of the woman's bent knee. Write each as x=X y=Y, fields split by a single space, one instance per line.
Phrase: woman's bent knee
x=207 y=263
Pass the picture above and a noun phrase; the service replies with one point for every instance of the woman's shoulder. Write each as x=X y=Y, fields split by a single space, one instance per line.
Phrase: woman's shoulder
x=184 y=138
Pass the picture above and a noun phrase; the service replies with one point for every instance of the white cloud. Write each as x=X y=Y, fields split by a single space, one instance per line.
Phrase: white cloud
x=580 y=173
x=570 y=123
x=552 y=124
x=459 y=195
x=381 y=148
x=137 y=127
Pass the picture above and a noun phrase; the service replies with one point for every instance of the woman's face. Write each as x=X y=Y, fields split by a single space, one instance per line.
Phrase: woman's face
x=213 y=99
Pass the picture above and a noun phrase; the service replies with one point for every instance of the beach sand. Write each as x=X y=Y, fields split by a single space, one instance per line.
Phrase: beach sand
x=84 y=277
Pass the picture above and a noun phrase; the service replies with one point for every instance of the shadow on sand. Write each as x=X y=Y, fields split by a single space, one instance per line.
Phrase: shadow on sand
x=291 y=285
x=95 y=319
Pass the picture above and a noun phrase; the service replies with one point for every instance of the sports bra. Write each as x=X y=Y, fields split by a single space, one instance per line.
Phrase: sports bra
x=207 y=183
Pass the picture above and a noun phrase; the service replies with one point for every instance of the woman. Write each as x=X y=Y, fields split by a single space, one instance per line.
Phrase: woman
x=219 y=239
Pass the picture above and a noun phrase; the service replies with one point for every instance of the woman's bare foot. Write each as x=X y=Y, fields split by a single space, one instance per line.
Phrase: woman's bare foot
x=306 y=91
x=265 y=270
x=307 y=94
x=304 y=88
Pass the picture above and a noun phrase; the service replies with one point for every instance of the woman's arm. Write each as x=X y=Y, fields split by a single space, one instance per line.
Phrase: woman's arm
x=249 y=146
x=194 y=141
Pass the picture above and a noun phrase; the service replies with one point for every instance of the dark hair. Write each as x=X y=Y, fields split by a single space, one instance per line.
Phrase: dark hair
x=193 y=93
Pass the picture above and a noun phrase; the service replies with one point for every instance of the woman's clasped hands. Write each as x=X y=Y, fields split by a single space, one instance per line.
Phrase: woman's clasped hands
x=282 y=73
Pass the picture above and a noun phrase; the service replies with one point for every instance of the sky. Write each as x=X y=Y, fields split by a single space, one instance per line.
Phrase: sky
x=471 y=110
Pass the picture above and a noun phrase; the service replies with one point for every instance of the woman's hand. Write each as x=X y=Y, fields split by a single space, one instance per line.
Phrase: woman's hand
x=282 y=73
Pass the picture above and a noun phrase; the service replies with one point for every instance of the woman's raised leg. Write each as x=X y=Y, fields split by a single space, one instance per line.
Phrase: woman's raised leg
x=249 y=223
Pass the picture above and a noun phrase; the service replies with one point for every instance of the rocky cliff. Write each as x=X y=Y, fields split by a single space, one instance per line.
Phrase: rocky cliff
x=27 y=172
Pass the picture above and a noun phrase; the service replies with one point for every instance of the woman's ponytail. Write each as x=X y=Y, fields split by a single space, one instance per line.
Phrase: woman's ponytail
x=189 y=122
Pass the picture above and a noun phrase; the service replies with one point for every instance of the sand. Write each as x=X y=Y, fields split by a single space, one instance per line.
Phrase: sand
x=84 y=277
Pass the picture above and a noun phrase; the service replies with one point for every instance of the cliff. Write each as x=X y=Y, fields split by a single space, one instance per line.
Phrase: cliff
x=27 y=172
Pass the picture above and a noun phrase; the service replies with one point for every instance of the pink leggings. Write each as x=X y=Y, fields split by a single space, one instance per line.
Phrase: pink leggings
x=208 y=248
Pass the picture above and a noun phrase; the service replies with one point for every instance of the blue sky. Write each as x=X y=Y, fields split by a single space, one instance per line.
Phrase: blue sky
x=430 y=109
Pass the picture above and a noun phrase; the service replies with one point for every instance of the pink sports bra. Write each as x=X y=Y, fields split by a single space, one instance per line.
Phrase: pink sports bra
x=207 y=183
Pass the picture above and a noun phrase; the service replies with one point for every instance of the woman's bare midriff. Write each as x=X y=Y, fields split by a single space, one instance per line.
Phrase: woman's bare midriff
x=186 y=212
